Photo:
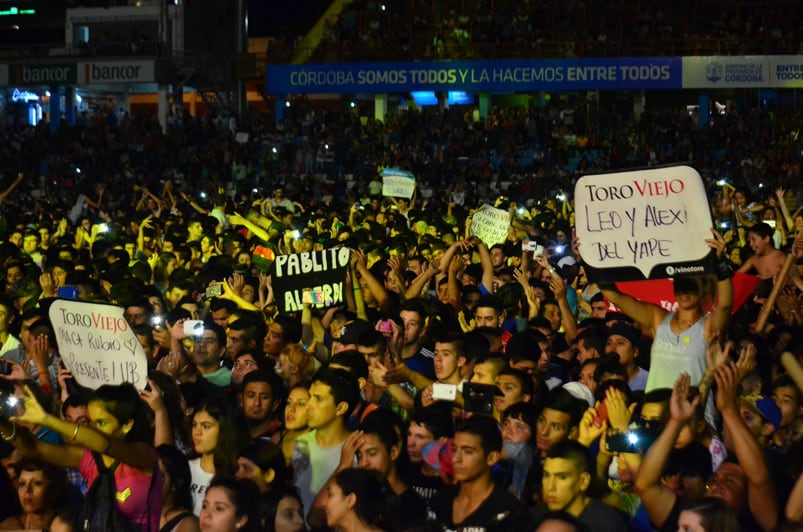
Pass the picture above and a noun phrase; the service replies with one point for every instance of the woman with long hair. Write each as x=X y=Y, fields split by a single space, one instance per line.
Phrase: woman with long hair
x=295 y=419
x=177 y=513
x=119 y=440
x=42 y=490
x=217 y=436
x=361 y=500
x=280 y=510
x=230 y=505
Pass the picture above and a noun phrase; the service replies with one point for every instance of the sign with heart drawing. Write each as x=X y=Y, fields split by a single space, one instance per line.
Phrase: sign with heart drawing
x=97 y=344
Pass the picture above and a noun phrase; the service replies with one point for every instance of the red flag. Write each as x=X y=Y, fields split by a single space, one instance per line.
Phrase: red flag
x=660 y=291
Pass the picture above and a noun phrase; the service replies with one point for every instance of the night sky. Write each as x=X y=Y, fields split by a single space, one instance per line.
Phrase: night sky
x=267 y=17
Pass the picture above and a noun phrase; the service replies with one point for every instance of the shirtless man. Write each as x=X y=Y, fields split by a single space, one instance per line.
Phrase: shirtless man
x=767 y=261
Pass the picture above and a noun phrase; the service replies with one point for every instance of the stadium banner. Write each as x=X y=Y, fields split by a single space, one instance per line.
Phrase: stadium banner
x=732 y=72
x=320 y=271
x=644 y=224
x=490 y=225
x=398 y=183
x=786 y=71
x=97 y=345
x=477 y=76
x=708 y=72
x=117 y=71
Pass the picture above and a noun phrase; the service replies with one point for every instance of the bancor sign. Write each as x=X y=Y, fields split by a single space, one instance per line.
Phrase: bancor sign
x=50 y=74
x=117 y=71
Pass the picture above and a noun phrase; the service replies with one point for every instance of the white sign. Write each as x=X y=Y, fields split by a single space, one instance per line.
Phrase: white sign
x=117 y=72
x=644 y=218
x=97 y=345
x=726 y=72
x=397 y=183
x=490 y=225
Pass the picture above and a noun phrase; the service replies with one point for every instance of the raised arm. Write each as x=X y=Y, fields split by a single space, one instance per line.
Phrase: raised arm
x=760 y=488
x=131 y=453
x=487 y=266
x=645 y=314
x=7 y=192
x=376 y=288
x=721 y=317
x=657 y=499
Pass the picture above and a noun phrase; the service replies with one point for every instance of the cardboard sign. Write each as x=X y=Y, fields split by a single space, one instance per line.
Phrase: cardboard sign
x=643 y=224
x=97 y=345
x=320 y=271
x=490 y=225
x=397 y=183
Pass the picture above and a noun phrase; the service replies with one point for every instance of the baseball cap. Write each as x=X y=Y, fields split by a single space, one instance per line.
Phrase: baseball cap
x=764 y=407
x=350 y=332
x=438 y=455
x=628 y=331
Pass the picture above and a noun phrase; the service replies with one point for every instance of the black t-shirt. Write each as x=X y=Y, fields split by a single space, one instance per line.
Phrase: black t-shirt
x=413 y=510
x=596 y=516
x=425 y=486
x=500 y=512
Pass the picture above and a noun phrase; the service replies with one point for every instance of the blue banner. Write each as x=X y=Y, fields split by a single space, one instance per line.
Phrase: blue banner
x=478 y=76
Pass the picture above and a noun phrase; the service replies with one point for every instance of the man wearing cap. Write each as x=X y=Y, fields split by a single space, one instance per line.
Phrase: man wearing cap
x=761 y=415
x=624 y=340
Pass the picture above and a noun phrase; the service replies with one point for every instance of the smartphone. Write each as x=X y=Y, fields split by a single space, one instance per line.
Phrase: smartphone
x=636 y=440
x=479 y=398
x=444 y=392
x=193 y=328
x=214 y=291
x=10 y=405
x=385 y=327
x=68 y=292
x=5 y=367
x=157 y=321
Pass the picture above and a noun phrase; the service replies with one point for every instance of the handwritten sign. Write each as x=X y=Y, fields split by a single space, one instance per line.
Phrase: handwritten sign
x=490 y=225
x=397 y=183
x=643 y=224
x=97 y=345
x=321 y=271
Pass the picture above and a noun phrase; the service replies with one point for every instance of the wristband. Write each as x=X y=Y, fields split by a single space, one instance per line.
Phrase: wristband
x=724 y=270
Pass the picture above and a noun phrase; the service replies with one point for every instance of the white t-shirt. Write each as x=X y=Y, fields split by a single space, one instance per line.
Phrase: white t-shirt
x=312 y=466
x=200 y=481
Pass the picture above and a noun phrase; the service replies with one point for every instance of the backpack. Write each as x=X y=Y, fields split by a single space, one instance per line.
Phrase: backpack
x=100 y=512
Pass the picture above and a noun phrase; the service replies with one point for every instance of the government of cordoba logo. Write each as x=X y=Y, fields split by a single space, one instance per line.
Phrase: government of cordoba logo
x=713 y=72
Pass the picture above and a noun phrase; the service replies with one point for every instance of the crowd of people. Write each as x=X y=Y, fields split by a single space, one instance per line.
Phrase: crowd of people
x=458 y=385
x=385 y=31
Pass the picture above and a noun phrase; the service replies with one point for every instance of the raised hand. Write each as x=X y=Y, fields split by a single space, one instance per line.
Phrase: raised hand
x=681 y=409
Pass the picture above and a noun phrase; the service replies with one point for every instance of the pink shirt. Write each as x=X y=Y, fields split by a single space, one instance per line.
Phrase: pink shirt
x=132 y=490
